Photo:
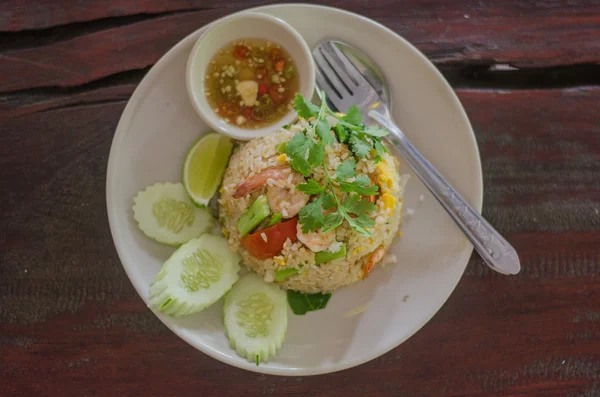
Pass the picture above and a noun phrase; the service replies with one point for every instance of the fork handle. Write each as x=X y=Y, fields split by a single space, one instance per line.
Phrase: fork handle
x=496 y=252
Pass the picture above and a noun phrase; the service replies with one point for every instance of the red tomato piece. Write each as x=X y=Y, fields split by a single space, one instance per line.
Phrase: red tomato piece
x=276 y=236
x=227 y=109
x=241 y=52
x=263 y=88
x=277 y=97
x=275 y=54
x=247 y=112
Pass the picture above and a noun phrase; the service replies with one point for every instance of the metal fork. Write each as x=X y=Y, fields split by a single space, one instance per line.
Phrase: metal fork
x=345 y=86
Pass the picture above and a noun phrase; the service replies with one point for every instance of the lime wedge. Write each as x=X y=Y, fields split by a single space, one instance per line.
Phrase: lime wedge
x=205 y=165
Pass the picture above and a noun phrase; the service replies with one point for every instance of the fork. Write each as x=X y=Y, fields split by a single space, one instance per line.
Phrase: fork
x=345 y=86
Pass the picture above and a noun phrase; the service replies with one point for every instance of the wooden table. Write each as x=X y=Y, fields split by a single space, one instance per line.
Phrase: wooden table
x=71 y=324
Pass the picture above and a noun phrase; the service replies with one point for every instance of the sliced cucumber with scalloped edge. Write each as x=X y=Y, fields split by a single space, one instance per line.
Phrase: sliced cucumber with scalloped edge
x=255 y=316
x=198 y=274
x=165 y=213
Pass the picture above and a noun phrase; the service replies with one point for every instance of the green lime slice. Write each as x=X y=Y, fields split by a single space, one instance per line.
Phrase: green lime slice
x=205 y=165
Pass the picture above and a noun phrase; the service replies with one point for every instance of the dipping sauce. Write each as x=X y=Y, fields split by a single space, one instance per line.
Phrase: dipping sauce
x=251 y=83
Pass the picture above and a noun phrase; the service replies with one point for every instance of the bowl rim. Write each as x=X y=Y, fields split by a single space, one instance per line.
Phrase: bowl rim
x=198 y=99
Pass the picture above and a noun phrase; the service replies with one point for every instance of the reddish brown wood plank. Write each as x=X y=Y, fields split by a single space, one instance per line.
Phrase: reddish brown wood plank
x=30 y=14
x=18 y=105
x=526 y=34
x=72 y=324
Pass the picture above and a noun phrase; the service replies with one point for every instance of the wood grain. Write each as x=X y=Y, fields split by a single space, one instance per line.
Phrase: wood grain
x=71 y=323
x=524 y=34
x=64 y=294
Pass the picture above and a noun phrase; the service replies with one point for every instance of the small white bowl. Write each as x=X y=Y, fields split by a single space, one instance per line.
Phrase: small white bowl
x=246 y=25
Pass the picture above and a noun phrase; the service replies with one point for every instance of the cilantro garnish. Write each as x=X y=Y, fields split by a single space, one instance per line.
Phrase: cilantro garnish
x=307 y=150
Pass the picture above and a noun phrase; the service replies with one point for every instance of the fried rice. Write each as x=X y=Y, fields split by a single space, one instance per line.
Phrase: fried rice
x=254 y=157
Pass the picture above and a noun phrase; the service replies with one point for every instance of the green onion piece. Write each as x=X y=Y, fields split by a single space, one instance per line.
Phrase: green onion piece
x=281 y=147
x=325 y=256
x=274 y=220
x=257 y=360
x=341 y=133
x=257 y=212
x=282 y=274
x=288 y=72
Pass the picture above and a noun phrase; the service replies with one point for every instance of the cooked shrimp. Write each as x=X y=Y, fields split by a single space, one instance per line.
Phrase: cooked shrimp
x=316 y=241
x=286 y=200
x=374 y=258
x=258 y=181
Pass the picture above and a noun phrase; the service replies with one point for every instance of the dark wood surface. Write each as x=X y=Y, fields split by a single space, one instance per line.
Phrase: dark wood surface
x=71 y=323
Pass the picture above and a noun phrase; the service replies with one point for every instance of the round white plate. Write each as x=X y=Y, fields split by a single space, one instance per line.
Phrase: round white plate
x=159 y=125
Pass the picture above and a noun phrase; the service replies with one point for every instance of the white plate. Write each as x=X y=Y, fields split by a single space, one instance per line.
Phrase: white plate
x=159 y=125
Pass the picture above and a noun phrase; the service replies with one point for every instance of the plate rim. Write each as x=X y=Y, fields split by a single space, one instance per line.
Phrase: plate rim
x=111 y=176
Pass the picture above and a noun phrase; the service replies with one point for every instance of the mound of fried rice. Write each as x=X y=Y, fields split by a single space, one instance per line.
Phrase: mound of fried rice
x=254 y=157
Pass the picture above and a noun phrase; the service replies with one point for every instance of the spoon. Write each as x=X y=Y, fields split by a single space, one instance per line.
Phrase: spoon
x=349 y=78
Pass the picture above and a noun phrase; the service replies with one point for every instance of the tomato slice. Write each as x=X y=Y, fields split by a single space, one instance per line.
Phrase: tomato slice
x=276 y=236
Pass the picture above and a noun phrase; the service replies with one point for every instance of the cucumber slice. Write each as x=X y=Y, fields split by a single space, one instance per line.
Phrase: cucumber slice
x=255 y=316
x=198 y=274
x=165 y=213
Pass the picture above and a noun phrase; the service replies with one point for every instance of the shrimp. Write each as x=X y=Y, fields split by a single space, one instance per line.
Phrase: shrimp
x=316 y=241
x=373 y=259
x=286 y=201
x=258 y=181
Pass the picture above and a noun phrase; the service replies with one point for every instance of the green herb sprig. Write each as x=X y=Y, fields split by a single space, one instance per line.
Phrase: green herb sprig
x=303 y=303
x=307 y=150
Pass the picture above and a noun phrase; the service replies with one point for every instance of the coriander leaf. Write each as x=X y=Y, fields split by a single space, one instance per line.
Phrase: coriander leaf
x=360 y=147
x=311 y=187
x=376 y=131
x=361 y=185
x=357 y=205
x=360 y=208
x=351 y=127
x=332 y=220
x=297 y=150
x=301 y=303
x=316 y=154
x=353 y=115
x=328 y=201
x=304 y=108
x=380 y=148
x=324 y=131
x=346 y=169
x=361 y=224
x=311 y=216
x=341 y=133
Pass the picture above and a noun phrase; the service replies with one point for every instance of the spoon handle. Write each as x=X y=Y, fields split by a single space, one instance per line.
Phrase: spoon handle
x=496 y=252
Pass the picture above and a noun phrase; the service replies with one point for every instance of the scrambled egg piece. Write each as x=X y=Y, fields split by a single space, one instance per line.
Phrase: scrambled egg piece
x=389 y=201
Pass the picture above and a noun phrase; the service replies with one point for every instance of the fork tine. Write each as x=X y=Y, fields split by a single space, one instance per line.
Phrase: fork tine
x=340 y=57
x=343 y=71
x=330 y=73
x=333 y=96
